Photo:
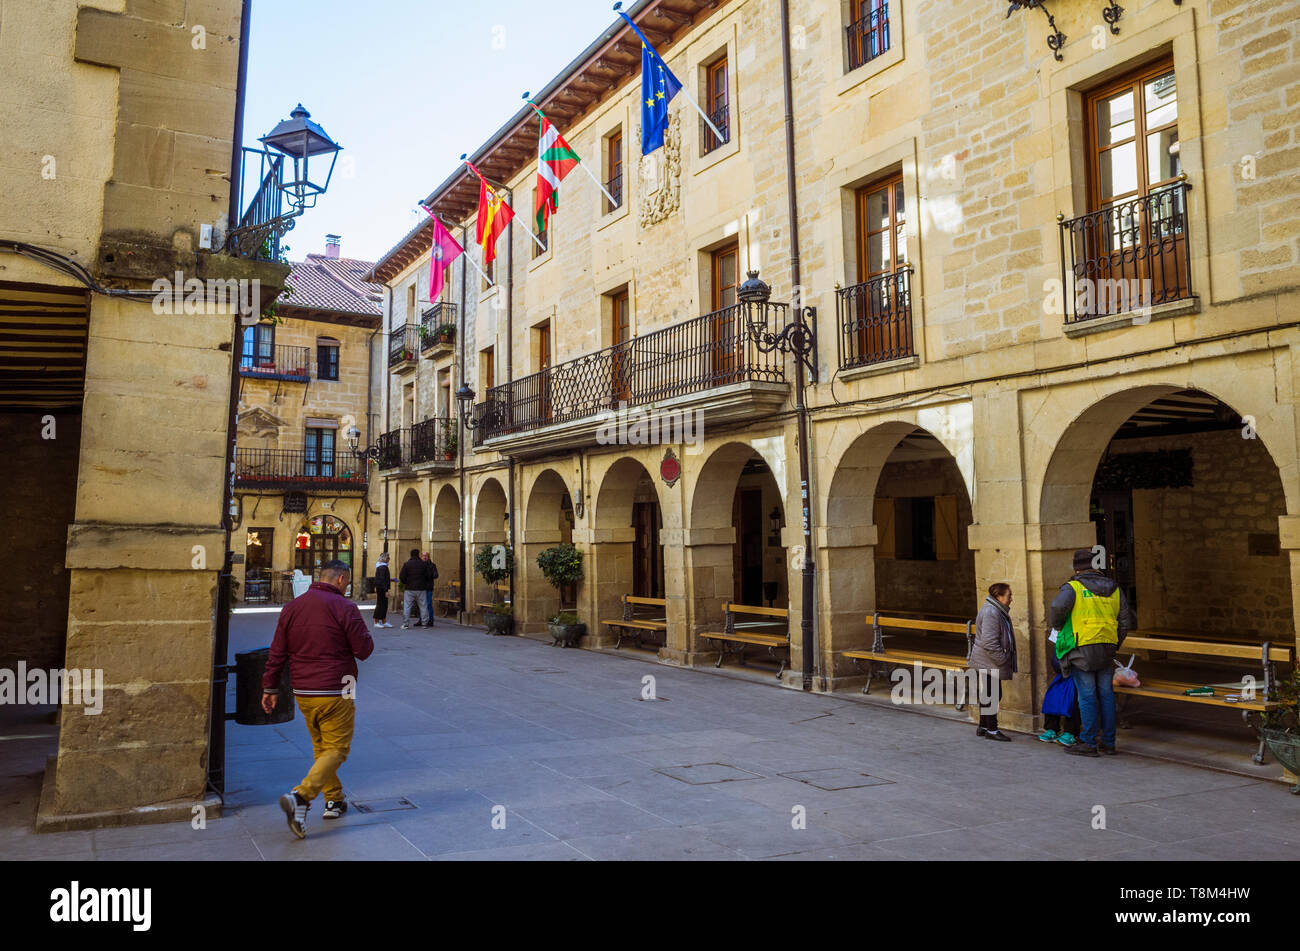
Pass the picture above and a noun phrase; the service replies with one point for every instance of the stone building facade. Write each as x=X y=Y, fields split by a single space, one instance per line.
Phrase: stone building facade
x=304 y=497
x=1027 y=258
x=118 y=123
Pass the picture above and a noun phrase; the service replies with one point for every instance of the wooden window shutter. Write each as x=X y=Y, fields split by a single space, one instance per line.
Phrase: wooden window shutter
x=884 y=513
x=945 y=527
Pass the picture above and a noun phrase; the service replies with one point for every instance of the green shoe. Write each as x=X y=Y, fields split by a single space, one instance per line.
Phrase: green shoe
x=1067 y=739
x=1047 y=736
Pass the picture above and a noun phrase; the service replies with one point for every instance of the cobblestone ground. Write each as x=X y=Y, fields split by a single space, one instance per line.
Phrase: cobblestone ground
x=455 y=727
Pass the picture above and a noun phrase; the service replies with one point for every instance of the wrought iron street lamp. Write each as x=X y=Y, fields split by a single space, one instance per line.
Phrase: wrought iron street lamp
x=353 y=436
x=799 y=337
x=300 y=139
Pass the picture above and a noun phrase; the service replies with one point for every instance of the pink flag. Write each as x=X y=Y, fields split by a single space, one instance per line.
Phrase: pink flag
x=444 y=251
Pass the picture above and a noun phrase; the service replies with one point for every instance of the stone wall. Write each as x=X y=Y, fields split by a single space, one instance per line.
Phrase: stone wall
x=40 y=493
x=1195 y=572
x=939 y=587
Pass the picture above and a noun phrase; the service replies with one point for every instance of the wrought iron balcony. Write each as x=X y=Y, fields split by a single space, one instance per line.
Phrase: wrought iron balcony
x=438 y=329
x=433 y=441
x=403 y=345
x=875 y=320
x=1130 y=256
x=722 y=119
x=289 y=469
x=282 y=363
x=868 y=37
x=700 y=356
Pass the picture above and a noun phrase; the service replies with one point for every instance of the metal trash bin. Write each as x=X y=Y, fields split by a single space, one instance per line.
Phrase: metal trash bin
x=250 y=666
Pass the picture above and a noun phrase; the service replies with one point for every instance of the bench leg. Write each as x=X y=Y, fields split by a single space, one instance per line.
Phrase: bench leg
x=785 y=661
x=1254 y=722
x=722 y=653
x=619 y=631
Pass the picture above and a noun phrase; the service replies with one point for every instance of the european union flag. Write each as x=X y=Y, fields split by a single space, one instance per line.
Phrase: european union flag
x=658 y=86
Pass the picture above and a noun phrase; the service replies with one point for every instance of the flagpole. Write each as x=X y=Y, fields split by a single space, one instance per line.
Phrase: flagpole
x=581 y=164
x=464 y=252
x=536 y=240
x=618 y=8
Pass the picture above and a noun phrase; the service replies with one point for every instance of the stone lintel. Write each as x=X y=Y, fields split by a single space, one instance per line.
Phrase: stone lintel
x=100 y=546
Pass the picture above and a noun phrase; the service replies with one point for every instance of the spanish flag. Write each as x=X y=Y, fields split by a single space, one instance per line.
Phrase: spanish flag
x=493 y=216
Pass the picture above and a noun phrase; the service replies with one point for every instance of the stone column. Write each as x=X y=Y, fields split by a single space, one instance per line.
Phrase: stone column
x=609 y=577
x=708 y=583
x=535 y=600
x=847 y=556
x=144 y=553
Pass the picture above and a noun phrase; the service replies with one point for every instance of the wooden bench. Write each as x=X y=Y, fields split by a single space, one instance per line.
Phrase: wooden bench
x=639 y=616
x=502 y=590
x=452 y=601
x=1179 y=645
x=735 y=637
x=879 y=654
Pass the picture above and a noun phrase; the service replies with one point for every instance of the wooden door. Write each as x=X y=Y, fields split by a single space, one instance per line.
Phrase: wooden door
x=544 y=364
x=883 y=324
x=747 y=560
x=725 y=325
x=647 y=555
x=1140 y=233
x=620 y=337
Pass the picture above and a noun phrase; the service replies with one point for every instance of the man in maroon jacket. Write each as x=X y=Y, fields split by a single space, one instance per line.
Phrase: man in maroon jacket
x=322 y=636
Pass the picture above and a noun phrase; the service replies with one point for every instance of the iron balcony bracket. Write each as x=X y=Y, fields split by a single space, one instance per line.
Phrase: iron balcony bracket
x=1111 y=14
x=798 y=338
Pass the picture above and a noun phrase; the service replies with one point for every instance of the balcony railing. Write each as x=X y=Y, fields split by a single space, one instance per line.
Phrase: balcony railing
x=438 y=316
x=403 y=344
x=283 y=363
x=875 y=320
x=273 y=468
x=434 y=440
x=868 y=37
x=698 y=354
x=615 y=188
x=722 y=119
x=1130 y=256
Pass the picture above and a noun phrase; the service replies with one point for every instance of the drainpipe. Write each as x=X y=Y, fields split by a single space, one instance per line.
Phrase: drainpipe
x=369 y=441
x=221 y=636
x=811 y=660
x=510 y=375
x=464 y=435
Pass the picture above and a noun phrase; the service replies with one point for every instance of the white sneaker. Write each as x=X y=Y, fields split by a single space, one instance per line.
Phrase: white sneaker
x=295 y=809
x=405 y=626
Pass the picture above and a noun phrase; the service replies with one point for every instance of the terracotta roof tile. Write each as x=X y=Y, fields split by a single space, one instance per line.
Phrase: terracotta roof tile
x=333 y=284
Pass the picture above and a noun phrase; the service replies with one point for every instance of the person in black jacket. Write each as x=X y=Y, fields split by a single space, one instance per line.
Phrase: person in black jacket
x=430 y=577
x=383 y=581
x=415 y=580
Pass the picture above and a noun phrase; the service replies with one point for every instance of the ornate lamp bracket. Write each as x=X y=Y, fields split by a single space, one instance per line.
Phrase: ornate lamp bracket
x=798 y=338
x=1055 y=39
x=1111 y=14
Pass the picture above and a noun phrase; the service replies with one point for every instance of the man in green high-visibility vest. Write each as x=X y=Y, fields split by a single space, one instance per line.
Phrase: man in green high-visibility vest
x=1092 y=617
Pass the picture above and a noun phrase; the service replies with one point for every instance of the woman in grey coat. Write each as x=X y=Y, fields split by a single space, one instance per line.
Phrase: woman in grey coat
x=994 y=654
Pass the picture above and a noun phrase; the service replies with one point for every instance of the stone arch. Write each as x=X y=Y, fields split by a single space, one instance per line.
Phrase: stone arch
x=547 y=521
x=729 y=557
x=895 y=481
x=410 y=523
x=1202 y=557
x=626 y=550
x=444 y=538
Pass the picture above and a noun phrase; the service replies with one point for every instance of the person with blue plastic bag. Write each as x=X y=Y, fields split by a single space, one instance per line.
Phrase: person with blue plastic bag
x=1060 y=704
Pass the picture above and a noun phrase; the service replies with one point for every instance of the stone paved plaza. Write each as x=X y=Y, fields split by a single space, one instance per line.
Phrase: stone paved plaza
x=456 y=723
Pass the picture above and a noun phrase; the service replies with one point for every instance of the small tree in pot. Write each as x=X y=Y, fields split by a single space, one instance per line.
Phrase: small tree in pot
x=494 y=564
x=562 y=567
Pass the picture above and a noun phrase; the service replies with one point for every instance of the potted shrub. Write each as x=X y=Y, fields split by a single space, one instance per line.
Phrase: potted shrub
x=494 y=564
x=449 y=446
x=446 y=333
x=1281 y=727
x=562 y=568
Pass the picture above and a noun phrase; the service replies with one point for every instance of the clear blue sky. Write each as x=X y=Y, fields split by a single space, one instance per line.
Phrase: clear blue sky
x=405 y=86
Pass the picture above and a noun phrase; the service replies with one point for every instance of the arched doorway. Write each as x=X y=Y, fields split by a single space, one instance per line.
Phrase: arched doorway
x=1180 y=499
x=548 y=521
x=627 y=555
x=487 y=527
x=444 y=539
x=737 y=553
x=322 y=539
x=897 y=514
x=410 y=525
x=1185 y=500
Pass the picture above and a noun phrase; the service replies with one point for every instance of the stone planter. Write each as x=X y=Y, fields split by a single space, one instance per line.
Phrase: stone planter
x=500 y=624
x=566 y=635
